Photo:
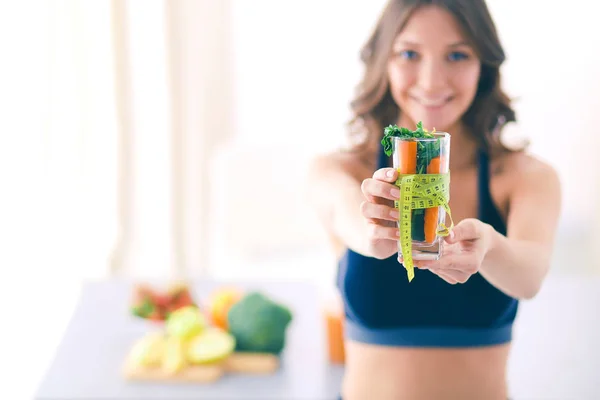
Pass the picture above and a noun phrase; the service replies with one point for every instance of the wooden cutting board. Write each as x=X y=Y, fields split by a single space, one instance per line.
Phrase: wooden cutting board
x=251 y=363
x=238 y=363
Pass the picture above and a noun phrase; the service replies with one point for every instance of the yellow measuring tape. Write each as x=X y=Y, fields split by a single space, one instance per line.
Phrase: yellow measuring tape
x=419 y=191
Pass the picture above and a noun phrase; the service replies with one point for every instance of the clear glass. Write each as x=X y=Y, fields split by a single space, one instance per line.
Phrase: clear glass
x=414 y=156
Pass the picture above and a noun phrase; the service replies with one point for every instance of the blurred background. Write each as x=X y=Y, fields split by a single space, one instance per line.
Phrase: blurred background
x=152 y=138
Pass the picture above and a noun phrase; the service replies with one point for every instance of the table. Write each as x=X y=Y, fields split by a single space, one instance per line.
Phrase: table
x=555 y=354
x=89 y=358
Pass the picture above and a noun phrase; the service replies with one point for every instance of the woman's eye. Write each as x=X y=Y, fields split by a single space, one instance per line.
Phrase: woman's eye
x=407 y=54
x=458 y=56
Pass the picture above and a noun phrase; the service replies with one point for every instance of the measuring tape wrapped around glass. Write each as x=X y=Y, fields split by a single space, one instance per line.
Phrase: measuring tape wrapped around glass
x=418 y=191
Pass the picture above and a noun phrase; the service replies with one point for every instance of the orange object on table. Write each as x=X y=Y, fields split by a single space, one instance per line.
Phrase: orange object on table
x=335 y=337
x=334 y=324
x=220 y=302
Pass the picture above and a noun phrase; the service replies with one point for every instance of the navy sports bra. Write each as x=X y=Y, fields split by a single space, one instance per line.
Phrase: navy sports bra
x=383 y=308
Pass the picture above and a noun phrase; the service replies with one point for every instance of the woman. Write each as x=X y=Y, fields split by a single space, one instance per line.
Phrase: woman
x=446 y=334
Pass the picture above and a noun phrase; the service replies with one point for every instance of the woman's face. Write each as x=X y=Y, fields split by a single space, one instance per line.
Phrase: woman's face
x=433 y=71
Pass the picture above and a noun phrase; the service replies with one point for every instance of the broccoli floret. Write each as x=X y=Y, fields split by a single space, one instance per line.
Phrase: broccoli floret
x=259 y=324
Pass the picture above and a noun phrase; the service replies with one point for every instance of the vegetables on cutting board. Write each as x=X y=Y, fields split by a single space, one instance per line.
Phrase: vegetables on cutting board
x=194 y=345
x=186 y=340
x=417 y=157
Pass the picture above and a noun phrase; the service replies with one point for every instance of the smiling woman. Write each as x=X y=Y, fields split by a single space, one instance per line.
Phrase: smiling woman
x=435 y=63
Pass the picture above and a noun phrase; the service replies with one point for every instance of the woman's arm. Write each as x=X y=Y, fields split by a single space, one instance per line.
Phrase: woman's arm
x=334 y=192
x=518 y=263
x=354 y=204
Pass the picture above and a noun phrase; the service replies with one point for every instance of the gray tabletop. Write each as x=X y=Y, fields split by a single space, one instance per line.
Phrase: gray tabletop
x=88 y=361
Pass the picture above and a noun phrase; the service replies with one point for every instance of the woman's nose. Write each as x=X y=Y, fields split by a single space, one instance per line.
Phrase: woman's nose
x=432 y=76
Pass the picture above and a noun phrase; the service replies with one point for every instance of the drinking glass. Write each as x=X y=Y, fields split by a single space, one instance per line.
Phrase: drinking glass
x=419 y=157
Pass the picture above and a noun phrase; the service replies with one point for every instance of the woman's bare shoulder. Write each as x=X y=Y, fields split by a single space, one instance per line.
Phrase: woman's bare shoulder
x=521 y=168
x=521 y=163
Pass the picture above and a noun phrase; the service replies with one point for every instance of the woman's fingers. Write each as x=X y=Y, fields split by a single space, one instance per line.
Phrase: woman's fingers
x=376 y=188
x=378 y=211
x=386 y=175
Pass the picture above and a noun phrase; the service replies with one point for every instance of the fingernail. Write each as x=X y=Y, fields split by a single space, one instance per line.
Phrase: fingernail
x=395 y=193
x=390 y=173
x=394 y=214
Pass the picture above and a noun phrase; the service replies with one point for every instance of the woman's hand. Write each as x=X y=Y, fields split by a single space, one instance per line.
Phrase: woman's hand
x=380 y=214
x=463 y=252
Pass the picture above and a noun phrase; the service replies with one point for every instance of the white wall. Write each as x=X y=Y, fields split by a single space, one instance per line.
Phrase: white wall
x=296 y=64
x=553 y=61
x=295 y=67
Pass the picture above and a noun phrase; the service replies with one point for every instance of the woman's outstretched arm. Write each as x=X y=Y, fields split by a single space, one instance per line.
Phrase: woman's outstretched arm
x=518 y=262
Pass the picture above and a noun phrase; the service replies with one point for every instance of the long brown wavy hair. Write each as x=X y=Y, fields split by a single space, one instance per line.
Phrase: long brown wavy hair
x=373 y=107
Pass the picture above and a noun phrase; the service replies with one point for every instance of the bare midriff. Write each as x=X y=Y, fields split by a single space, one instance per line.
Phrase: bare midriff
x=392 y=373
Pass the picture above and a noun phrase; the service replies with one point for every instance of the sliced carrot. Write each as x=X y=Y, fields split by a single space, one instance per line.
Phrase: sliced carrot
x=407 y=152
x=431 y=214
x=435 y=165
x=407 y=164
